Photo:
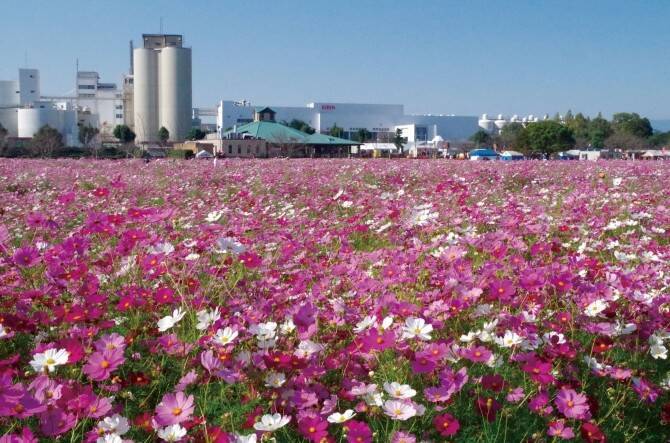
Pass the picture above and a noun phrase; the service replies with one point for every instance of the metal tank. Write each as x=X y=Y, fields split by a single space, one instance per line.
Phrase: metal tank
x=174 y=91
x=30 y=120
x=145 y=94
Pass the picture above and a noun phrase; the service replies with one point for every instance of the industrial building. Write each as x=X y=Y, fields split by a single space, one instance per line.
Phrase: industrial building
x=494 y=125
x=23 y=111
x=161 y=83
x=380 y=120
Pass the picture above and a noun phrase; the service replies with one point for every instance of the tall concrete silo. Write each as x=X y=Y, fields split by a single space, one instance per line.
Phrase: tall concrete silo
x=162 y=87
x=174 y=91
x=145 y=94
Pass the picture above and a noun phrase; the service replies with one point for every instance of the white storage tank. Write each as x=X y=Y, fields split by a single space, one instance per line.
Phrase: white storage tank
x=485 y=123
x=145 y=94
x=174 y=91
x=30 y=120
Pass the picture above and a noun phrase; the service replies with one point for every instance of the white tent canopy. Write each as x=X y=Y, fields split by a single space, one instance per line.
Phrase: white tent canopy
x=511 y=154
x=203 y=154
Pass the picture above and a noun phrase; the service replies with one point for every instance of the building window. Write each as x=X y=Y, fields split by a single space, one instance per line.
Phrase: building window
x=119 y=115
x=119 y=106
x=230 y=149
x=86 y=86
x=239 y=149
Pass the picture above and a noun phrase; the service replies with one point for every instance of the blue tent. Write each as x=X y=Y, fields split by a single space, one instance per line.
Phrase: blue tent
x=483 y=154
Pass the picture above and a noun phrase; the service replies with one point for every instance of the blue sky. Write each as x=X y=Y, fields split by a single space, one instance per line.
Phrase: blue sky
x=461 y=57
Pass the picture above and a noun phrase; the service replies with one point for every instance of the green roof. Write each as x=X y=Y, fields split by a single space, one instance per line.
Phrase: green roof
x=274 y=132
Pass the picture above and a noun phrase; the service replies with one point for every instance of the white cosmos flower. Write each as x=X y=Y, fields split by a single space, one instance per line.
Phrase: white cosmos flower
x=229 y=244
x=116 y=424
x=169 y=321
x=396 y=390
x=251 y=438
x=49 y=359
x=367 y=322
x=3 y=331
x=373 y=399
x=275 y=379
x=272 y=422
x=336 y=417
x=214 y=216
x=306 y=348
x=387 y=322
x=417 y=327
x=109 y=438
x=509 y=340
x=207 y=318
x=658 y=351
x=264 y=331
x=595 y=308
x=172 y=433
x=549 y=337
x=225 y=336
x=287 y=327
x=162 y=248
x=617 y=181
x=399 y=410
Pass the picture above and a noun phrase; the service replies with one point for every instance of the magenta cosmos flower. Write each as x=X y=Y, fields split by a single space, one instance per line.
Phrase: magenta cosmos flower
x=573 y=405
x=446 y=425
x=101 y=364
x=26 y=257
x=174 y=408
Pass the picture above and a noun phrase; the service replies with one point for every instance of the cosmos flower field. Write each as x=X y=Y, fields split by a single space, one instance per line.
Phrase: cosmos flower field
x=334 y=301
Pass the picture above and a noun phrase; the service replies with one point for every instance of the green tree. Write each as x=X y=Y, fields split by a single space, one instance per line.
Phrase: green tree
x=599 y=130
x=3 y=136
x=363 y=135
x=124 y=134
x=579 y=125
x=163 y=134
x=568 y=117
x=547 y=137
x=511 y=133
x=625 y=141
x=658 y=139
x=87 y=134
x=632 y=123
x=481 y=138
x=336 y=131
x=301 y=126
x=195 y=134
x=399 y=141
x=45 y=141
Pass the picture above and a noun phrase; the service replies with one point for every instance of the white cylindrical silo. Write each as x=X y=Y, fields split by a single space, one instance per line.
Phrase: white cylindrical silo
x=145 y=94
x=174 y=91
x=30 y=120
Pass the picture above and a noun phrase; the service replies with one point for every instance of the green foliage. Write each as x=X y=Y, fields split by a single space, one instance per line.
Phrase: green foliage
x=626 y=141
x=87 y=133
x=481 y=138
x=363 y=135
x=124 y=134
x=399 y=141
x=547 y=137
x=511 y=134
x=336 y=131
x=599 y=130
x=163 y=134
x=301 y=126
x=632 y=123
x=182 y=154
x=660 y=139
x=195 y=134
x=46 y=141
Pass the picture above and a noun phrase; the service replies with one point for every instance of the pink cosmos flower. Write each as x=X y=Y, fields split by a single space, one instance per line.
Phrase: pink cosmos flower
x=558 y=429
x=101 y=364
x=477 y=354
x=572 y=405
x=357 y=432
x=540 y=371
x=26 y=257
x=174 y=408
x=446 y=425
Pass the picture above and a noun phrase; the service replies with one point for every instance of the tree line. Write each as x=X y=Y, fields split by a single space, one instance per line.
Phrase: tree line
x=626 y=131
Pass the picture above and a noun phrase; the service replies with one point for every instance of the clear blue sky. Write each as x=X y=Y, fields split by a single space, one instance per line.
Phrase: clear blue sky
x=462 y=57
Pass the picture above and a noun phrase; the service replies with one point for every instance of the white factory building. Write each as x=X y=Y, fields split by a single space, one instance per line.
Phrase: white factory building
x=379 y=119
x=162 y=88
x=23 y=111
x=103 y=100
